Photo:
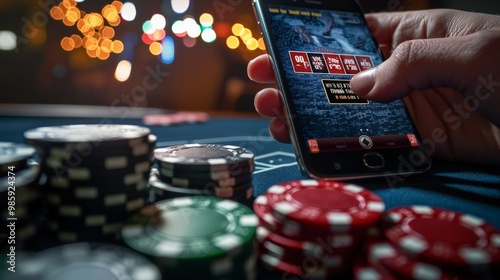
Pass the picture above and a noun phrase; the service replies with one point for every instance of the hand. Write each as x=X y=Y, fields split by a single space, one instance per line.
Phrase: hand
x=444 y=63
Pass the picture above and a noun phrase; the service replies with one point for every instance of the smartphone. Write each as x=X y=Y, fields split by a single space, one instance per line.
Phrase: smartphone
x=316 y=47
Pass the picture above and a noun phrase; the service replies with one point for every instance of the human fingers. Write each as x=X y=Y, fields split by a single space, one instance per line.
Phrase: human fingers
x=259 y=69
x=393 y=28
x=462 y=63
x=269 y=103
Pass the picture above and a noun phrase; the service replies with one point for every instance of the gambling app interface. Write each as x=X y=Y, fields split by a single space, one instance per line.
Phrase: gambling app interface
x=320 y=52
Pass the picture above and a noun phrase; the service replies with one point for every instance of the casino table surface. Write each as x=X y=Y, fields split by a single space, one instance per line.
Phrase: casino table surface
x=463 y=188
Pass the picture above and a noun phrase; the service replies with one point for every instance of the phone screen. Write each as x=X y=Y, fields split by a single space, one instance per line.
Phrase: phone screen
x=321 y=51
x=317 y=51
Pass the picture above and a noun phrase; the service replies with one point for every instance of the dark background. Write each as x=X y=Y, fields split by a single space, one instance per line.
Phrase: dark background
x=206 y=77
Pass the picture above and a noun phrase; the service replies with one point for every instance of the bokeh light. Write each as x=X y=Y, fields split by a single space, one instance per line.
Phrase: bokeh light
x=96 y=36
x=179 y=28
x=129 y=12
x=8 y=40
x=252 y=44
x=147 y=27
x=189 y=42
x=237 y=29
x=156 y=48
x=206 y=20
x=123 y=70
x=261 y=44
x=208 y=35
x=240 y=33
x=192 y=28
x=232 y=42
x=168 y=54
x=158 y=21
x=180 y=6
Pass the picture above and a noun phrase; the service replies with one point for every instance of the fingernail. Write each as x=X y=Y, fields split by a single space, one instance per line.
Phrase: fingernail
x=362 y=83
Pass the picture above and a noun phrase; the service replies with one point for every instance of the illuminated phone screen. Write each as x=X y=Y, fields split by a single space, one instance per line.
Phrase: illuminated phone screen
x=320 y=51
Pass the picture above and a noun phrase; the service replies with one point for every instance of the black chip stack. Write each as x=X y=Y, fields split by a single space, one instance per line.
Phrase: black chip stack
x=223 y=171
x=19 y=180
x=96 y=177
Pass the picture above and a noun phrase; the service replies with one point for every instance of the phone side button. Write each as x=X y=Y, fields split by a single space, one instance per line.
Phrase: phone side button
x=373 y=160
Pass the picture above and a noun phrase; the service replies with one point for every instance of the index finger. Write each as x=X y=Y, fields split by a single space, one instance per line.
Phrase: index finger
x=260 y=70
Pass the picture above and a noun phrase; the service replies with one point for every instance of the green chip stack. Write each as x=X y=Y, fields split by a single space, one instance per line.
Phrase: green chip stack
x=196 y=237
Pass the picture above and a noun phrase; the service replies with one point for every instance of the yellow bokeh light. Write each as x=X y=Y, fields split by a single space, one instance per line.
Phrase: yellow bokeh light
x=95 y=20
x=206 y=20
x=106 y=45
x=66 y=21
x=90 y=43
x=117 y=46
x=232 y=42
x=237 y=29
x=73 y=14
x=110 y=13
x=246 y=35
x=156 y=48
x=252 y=44
x=116 y=22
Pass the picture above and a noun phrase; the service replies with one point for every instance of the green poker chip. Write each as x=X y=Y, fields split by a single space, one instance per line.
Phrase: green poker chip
x=191 y=229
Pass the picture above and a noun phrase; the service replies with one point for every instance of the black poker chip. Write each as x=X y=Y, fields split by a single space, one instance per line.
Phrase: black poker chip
x=203 y=157
x=95 y=174
x=162 y=190
x=14 y=156
x=125 y=179
x=105 y=135
x=197 y=183
x=233 y=171
x=87 y=261
x=76 y=152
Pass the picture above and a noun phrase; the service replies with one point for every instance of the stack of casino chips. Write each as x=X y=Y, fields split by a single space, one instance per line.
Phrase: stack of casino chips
x=222 y=171
x=96 y=177
x=85 y=261
x=314 y=228
x=422 y=242
x=19 y=182
x=197 y=237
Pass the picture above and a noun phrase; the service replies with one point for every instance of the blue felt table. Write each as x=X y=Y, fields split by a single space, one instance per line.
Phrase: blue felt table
x=469 y=189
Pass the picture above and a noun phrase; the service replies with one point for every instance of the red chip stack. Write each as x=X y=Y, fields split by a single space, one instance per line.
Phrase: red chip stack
x=422 y=242
x=314 y=228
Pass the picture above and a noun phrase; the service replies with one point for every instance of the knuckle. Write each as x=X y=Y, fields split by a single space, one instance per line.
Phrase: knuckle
x=408 y=52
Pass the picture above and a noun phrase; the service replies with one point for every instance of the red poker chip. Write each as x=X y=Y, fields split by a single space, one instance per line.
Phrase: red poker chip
x=404 y=266
x=444 y=237
x=304 y=270
x=298 y=231
x=296 y=252
x=366 y=271
x=176 y=118
x=340 y=207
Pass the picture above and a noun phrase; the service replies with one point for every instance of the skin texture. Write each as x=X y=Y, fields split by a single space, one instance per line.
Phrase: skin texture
x=443 y=63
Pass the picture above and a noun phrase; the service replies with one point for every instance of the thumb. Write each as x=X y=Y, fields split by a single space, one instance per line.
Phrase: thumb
x=420 y=64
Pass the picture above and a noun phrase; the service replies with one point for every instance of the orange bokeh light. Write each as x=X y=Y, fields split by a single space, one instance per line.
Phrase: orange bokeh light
x=96 y=36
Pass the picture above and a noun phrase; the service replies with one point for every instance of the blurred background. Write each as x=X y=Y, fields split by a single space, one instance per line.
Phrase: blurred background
x=169 y=54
